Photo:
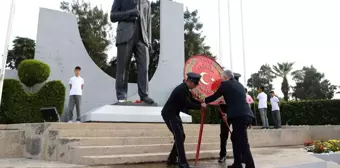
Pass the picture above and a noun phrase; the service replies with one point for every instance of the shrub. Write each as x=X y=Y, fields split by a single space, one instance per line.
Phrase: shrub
x=31 y=72
x=18 y=106
x=314 y=112
x=23 y=107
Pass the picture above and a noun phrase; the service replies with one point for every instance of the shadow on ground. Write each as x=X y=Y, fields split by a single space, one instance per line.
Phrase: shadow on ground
x=201 y=164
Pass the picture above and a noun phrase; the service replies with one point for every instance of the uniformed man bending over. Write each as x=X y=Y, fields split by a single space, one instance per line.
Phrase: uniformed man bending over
x=180 y=99
x=240 y=115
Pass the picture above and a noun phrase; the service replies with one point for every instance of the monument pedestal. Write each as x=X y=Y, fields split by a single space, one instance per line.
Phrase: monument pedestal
x=125 y=113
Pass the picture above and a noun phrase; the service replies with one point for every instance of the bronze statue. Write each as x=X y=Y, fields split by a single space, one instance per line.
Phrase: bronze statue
x=133 y=37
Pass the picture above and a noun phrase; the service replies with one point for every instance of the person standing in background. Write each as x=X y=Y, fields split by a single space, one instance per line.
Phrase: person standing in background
x=250 y=101
x=76 y=91
x=248 y=98
x=274 y=101
x=262 y=97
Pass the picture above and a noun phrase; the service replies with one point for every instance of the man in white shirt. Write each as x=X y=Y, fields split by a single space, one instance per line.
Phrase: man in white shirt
x=76 y=90
x=274 y=101
x=262 y=97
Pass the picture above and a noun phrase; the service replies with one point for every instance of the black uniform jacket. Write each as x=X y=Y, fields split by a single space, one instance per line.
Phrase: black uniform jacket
x=180 y=100
x=235 y=98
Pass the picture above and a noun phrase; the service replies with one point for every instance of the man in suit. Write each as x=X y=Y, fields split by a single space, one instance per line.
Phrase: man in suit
x=180 y=99
x=133 y=37
x=224 y=131
x=240 y=115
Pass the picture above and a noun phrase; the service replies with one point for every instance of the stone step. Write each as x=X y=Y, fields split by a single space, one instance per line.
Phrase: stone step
x=141 y=158
x=131 y=133
x=77 y=151
x=124 y=126
x=129 y=126
x=111 y=141
x=153 y=157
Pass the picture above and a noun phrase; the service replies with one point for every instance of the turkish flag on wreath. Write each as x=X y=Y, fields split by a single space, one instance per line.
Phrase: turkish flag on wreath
x=210 y=72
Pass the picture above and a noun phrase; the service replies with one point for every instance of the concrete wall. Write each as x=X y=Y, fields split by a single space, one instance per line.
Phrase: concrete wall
x=11 y=74
x=11 y=143
x=60 y=46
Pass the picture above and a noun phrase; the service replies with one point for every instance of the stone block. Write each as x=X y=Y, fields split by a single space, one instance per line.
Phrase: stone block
x=11 y=143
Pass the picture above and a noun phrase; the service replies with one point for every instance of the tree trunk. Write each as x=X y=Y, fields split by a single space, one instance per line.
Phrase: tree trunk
x=285 y=88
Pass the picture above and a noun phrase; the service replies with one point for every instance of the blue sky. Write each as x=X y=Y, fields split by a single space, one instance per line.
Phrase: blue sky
x=302 y=31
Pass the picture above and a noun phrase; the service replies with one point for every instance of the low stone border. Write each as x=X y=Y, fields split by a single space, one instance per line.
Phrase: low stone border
x=334 y=157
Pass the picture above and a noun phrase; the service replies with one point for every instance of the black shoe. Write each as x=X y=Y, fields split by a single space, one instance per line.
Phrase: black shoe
x=222 y=159
x=171 y=162
x=263 y=128
x=147 y=100
x=186 y=165
x=250 y=166
x=235 y=166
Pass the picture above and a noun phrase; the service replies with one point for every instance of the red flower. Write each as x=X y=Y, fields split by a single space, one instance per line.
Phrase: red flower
x=216 y=85
x=138 y=101
x=321 y=148
x=308 y=143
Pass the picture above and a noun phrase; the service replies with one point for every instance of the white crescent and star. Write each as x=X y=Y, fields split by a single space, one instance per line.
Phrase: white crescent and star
x=202 y=78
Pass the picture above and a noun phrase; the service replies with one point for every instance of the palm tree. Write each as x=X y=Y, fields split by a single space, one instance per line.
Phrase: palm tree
x=282 y=70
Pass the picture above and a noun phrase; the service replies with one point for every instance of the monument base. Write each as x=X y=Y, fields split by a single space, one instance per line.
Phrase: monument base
x=123 y=113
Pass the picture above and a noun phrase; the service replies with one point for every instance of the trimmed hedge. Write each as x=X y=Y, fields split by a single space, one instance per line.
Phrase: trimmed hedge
x=31 y=72
x=316 y=112
x=18 y=106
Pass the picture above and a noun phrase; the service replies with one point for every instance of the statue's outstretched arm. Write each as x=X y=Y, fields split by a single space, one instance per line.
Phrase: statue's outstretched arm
x=118 y=16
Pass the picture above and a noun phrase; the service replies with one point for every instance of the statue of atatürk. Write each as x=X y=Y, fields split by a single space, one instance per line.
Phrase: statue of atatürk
x=133 y=37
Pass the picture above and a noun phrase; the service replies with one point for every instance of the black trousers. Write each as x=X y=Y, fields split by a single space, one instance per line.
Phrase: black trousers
x=174 y=124
x=224 y=133
x=140 y=50
x=239 y=138
x=223 y=138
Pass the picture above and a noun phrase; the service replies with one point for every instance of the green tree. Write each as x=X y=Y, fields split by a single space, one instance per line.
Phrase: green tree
x=194 y=42
x=23 y=48
x=312 y=85
x=282 y=70
x=264 y=77
x=94 y=28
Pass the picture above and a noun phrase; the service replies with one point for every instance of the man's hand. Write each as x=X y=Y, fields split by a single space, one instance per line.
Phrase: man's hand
x=204 y=105
x=150 y=48
x=135 y=12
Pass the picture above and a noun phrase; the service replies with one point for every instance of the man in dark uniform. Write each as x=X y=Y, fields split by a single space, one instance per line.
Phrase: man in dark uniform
x=224 y=134
x=179 y=100
x=224 y=131
x=240 y=115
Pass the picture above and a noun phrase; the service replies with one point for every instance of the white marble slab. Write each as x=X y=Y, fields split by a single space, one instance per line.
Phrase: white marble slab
x=117 y=113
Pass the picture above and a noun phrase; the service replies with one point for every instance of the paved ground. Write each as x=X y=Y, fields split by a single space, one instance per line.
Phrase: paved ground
x=274 y=157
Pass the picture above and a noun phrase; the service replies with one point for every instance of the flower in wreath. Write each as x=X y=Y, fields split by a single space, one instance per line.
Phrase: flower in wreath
x=333 y=145
x=308 y=143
